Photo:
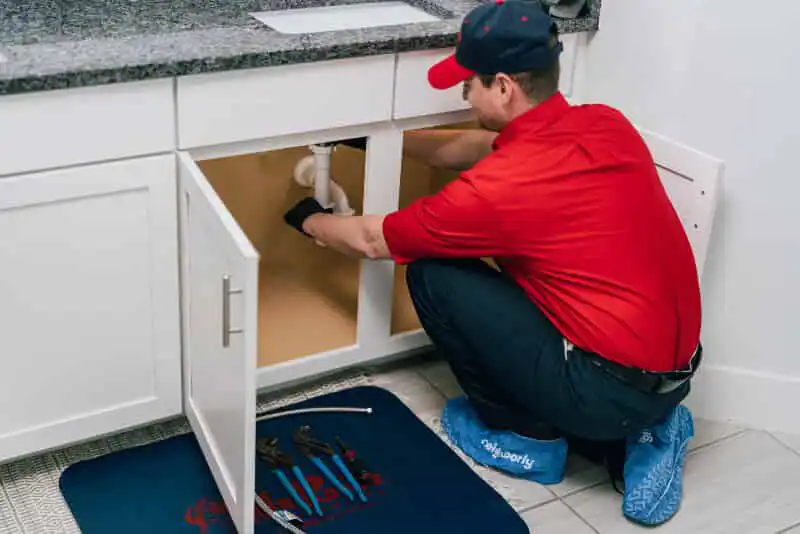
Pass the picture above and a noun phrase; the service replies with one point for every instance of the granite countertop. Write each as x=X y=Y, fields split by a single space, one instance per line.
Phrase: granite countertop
x=54 y=44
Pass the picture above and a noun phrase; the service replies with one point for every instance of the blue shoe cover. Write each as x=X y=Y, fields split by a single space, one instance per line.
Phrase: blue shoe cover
x=531 y=459
x=654 y=469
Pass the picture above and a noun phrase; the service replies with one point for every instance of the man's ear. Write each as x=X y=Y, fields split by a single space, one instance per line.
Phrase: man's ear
x=505 y=84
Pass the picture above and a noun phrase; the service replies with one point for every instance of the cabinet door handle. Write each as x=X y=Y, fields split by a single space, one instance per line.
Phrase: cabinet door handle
x=226 y=311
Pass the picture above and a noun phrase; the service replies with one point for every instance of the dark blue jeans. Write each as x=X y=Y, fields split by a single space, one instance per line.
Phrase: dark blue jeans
x=511 y=362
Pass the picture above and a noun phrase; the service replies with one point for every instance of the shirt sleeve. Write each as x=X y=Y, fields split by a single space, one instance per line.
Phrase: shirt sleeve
x=456 y=222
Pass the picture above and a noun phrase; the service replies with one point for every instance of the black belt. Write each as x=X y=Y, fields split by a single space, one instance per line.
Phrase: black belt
x=649 y=381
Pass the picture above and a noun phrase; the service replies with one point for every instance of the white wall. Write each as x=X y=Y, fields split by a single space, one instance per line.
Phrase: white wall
x=718 y=76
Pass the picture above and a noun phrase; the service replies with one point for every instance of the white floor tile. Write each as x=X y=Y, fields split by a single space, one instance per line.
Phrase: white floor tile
x=411 y=388
x=555 y=518
x=440 y=375
x=580 y=474
x=706 y=432
x=747 y=483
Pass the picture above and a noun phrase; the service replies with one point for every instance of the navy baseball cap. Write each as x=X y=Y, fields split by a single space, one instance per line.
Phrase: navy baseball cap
x=499 y=36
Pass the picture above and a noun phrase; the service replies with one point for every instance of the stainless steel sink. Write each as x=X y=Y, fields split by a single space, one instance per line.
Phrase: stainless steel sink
x=343 y=17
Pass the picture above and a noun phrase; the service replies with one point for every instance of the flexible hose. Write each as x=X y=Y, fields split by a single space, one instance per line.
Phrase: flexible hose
x=366 y=411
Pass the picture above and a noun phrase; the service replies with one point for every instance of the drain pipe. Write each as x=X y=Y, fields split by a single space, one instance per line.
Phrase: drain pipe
x=322 y=176
x=315 y=171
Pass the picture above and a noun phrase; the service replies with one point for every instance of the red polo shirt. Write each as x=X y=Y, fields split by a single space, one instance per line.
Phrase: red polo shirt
x=569 y=204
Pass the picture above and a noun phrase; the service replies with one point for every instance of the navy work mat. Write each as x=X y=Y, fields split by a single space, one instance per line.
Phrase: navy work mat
x=421 y=486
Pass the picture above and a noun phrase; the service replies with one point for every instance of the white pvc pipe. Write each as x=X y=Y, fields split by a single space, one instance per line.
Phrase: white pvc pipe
x=306 y=175
x=322 y=176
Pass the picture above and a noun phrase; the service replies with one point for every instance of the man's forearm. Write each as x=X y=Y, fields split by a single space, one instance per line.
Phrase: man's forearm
x=457 y=150
x=359 y=236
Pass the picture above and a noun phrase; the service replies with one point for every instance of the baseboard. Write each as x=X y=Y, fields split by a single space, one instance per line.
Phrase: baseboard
x=754 y=399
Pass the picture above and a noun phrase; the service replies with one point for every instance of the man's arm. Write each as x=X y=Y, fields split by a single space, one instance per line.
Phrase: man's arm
x=457 y=150
x=359 y=236
x=456 y=222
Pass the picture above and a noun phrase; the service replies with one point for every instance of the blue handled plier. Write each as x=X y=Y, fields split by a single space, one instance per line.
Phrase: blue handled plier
x=310 y=446
x=267 y=450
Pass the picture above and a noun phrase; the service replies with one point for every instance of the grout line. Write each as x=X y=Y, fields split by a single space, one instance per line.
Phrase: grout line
x=786 y=445
x=718 y=440
x=789 y=528
x=579 y=516
x=430 y=383
x=581 y=490
x=537 y=505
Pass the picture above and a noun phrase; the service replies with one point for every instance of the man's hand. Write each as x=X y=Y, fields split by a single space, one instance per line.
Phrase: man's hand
x=304 y=209
x=354 y=236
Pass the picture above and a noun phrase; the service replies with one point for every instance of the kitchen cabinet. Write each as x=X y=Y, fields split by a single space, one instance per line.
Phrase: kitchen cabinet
x=53 y=129
x=88 y=302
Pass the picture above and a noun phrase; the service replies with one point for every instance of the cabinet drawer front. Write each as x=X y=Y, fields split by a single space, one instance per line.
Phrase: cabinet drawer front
x=414 y=97
x=244 y=105
x=82 y=125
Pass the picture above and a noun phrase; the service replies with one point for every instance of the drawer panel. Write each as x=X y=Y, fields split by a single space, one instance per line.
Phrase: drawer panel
x=243 y=105
x=414 y=97
x=87 y=124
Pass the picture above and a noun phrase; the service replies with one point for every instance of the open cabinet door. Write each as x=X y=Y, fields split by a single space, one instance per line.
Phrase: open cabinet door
x=219 y=268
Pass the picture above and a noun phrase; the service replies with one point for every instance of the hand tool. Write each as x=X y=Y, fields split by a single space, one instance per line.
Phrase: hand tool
x=282 y=517
x=267 y=449
x=354 y=463
x=309 y=445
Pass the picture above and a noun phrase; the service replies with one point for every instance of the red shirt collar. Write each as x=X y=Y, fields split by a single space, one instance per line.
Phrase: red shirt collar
x=533 y=120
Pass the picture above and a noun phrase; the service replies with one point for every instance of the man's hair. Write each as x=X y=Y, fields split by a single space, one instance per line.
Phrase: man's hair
x=538 y=85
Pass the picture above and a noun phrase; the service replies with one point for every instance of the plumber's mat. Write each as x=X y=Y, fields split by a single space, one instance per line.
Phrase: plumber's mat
x=419 y=486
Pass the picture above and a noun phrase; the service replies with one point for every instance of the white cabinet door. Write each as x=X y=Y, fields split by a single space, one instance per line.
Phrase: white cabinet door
x=89 y=303
x=220 y=292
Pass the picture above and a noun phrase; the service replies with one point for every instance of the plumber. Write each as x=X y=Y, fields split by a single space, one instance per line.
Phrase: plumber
x=584 y=333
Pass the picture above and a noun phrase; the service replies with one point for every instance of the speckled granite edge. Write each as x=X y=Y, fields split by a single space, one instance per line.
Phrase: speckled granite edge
x=57 y=65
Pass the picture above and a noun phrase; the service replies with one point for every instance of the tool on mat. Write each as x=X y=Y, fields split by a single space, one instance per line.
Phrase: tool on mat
x=267 y=449
x=286 y=519
x=310 y=446
x=354 y=463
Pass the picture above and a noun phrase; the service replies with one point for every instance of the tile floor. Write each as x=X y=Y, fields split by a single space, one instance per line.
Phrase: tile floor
x=737 y=480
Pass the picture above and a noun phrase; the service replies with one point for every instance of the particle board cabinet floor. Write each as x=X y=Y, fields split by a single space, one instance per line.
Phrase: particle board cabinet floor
x=737 y=480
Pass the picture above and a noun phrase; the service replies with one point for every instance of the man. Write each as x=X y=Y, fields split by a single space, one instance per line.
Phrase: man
x=589 y=331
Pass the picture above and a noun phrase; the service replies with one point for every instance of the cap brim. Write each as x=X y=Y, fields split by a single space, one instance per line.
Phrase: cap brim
x=447 y=73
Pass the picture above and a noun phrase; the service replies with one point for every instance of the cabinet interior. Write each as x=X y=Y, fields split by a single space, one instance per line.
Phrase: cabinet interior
x=308 y=294
x=417 y=179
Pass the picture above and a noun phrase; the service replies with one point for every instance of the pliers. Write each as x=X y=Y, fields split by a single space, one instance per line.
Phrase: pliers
x=267 y=450
x=310 y=446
